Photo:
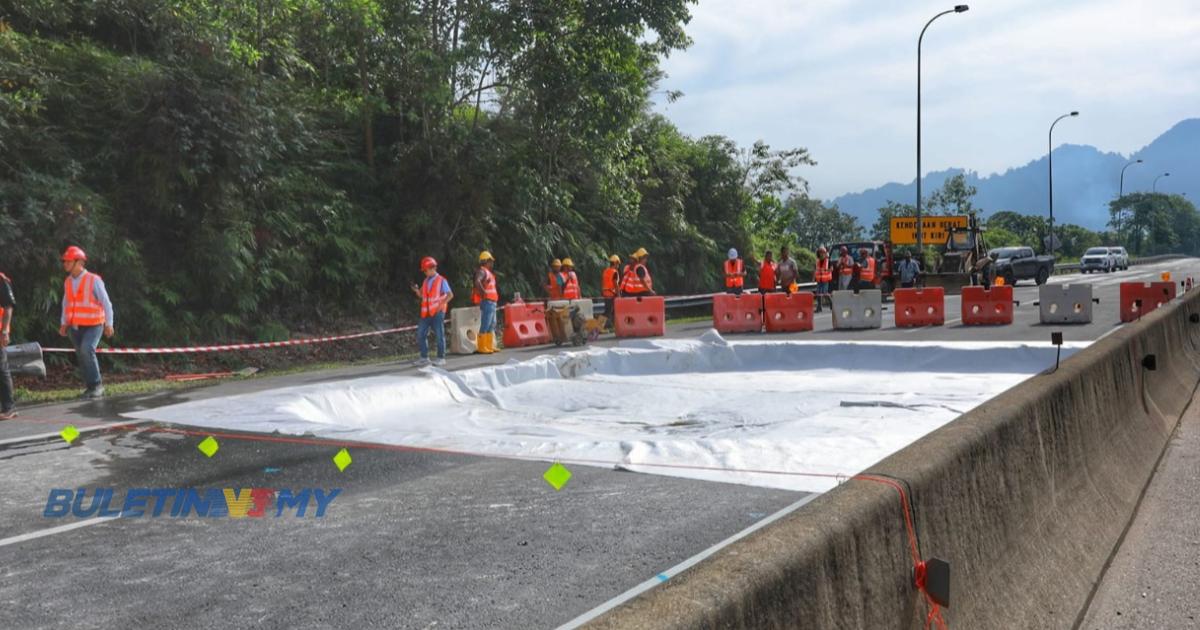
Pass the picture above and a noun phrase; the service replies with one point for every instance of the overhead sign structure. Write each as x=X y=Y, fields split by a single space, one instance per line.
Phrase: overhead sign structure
x=935 y=230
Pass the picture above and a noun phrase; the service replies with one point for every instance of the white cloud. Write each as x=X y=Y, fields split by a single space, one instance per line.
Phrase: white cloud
x=840 y=78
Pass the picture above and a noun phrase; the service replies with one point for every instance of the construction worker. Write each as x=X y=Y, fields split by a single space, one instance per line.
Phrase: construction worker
x=766 y=274
x=485 y=295
x=86 y=314
x=435 y=296
x=908 y=270
x=845 y=269
x=7 y=304
x=610 y=288
x=786 y=271
x=637 y=280
x=570 y=281
x=866 y=270
x=735 y=273
x=823 y=276
x=555 y=280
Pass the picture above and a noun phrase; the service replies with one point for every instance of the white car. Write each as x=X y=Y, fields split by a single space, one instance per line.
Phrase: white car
x=1121 y=256
x=1097 y=259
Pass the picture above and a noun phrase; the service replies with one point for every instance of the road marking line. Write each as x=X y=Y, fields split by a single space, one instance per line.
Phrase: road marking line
x=682 y=566
x=55 y=434
x=55 y=530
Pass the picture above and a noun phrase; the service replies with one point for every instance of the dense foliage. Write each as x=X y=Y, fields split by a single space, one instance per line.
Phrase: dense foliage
x=241 y=168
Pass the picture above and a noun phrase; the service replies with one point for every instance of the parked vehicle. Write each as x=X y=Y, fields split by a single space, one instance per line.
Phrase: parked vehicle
x=1122 y=257
x=1098 y=259
x=1020 y=263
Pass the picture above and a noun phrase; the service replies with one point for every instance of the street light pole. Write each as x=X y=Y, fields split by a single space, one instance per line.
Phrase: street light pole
x=1050 y=154
x=1154 y=186
x=1121 y=189
x=920 y=241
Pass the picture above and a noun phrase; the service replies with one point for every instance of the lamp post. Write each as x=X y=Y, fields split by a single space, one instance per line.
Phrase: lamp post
x=1154 y=186
x=1121 y=189
x=1050 y=154
x=920 y=241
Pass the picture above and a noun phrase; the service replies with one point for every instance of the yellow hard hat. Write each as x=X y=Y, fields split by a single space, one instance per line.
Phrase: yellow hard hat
x=641 y=252
x=614 y=259
x=566 y=262
x=485 y=255
x=556 y=263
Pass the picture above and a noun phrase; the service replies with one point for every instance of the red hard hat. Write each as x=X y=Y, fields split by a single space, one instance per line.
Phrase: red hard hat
x=428 y=262
x=74 y=253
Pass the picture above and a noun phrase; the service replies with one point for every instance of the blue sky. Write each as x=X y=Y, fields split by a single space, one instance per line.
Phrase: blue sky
x=839 y=78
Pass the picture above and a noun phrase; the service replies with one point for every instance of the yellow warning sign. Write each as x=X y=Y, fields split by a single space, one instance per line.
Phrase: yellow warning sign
x=936 y=229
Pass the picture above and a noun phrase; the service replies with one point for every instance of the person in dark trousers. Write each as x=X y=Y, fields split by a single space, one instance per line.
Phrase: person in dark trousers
x=86 y=314
x=7 y=304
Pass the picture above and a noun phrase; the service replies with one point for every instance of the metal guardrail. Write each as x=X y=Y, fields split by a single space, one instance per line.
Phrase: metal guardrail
x=1148 y=260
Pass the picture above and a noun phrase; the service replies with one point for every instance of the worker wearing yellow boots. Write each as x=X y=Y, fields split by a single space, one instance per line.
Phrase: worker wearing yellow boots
x=486 y=295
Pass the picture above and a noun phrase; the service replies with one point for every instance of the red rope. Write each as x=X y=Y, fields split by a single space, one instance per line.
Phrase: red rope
x=935 y=611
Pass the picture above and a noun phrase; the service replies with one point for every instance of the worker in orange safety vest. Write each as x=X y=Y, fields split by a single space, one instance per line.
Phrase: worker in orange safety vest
x=610 y=288
x=555 y=280
x=766 y=273
x=735 y=273
x=86 y=314
x=570 y=285
x=845 y=269
x=823 y=276
x=866 y=269
x=435 y=294
x=637 y=280
x=485 y=295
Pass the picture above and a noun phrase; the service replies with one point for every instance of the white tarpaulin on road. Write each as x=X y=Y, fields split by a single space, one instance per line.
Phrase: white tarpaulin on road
x=767 y=413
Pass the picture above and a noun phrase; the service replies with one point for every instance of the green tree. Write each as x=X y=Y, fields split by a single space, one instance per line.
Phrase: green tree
x=817 y=224
x=953 y=198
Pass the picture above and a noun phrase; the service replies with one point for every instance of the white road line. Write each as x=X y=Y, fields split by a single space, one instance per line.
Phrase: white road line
x=98 y=427
x=50 y=531
x=681 y=567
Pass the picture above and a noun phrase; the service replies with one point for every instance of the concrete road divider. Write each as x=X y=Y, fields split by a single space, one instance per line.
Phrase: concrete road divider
x=25 y=359
x=642 y=316
x=586 y=308
x=920 y=307
x=738 y=313
x=987 y=306
x=464 y=329
x=1026 y=497
x=1139 y=298
x=525 y=325
x=1065 y=303
x=852 y=310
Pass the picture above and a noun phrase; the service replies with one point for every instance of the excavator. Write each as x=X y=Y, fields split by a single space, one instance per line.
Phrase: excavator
x=962 y=255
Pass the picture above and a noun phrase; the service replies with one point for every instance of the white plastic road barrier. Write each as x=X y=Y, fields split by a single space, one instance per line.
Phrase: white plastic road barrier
x=585 y=306
x=1065 y=303
x=857 y=310
x=464 y=329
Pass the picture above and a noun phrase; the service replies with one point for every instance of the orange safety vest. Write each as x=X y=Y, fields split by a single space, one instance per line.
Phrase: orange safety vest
x=3 y=279
x=846 y=265
x=552 y=287
x=82 y=307
x=608 y=283
x=571 y=288
x=631 y=284
x=733 y=269
x=489 y=288
x=824 y=273
x=431 y=296
x=867 y=272
x=766 y=276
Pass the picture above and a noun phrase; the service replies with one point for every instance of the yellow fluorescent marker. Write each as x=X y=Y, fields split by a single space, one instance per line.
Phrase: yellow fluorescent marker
x=208 y=446
x=342 y=460
x=557 y=476
x=69 y=433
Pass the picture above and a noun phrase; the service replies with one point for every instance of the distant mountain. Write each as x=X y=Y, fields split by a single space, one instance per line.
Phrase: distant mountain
x=1085 y=180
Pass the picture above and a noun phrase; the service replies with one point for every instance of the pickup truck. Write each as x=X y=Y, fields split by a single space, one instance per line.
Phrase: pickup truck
x=1020 y=263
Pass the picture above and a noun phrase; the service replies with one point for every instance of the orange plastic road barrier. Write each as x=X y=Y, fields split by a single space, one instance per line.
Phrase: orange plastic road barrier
x=783 y=312
x=1139 y=298
x=737 y=313
x=642 y=316
x=982 y=306
x=525 y=325
x=920 y=307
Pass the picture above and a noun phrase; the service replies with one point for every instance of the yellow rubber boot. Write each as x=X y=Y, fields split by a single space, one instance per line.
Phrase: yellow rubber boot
x=485 y=343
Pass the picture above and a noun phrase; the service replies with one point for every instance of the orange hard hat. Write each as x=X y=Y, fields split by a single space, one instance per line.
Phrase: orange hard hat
x=428 y=262
x=74 y=253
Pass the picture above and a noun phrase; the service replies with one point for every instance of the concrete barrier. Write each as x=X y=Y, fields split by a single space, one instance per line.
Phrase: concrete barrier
x=852 y=311
x=1065 y=303
x=464 y=329
x=1026 y=496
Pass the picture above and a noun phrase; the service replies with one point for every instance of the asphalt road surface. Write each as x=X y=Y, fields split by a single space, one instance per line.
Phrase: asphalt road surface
x=415 y=539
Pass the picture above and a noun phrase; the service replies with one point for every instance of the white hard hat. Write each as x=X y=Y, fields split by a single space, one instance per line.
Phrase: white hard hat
x=732 y=254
